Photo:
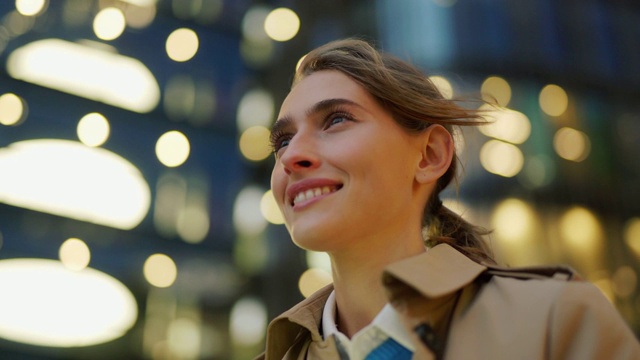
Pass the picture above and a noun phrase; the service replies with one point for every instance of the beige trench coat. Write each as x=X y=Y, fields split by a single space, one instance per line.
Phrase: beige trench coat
x=475 y=312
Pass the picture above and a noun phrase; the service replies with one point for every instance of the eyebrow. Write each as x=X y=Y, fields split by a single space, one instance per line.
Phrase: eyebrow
x=286 y=121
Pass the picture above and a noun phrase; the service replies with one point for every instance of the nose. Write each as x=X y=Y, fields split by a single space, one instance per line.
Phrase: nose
x=300 y=155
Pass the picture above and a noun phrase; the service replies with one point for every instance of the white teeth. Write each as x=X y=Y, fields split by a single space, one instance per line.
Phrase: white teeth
x=311 y=193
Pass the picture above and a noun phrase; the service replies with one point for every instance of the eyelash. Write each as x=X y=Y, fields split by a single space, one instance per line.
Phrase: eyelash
x=278 y=137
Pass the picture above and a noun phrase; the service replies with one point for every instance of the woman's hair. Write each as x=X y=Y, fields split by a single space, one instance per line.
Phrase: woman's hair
x=415 y=103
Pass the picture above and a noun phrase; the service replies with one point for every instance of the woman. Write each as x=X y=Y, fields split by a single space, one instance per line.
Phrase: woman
x=363 y=149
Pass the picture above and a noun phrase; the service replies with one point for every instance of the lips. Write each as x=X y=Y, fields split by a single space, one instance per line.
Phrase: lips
x=306 y=190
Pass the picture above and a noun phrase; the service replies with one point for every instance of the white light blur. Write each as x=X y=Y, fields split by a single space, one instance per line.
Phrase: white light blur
x=109 y=23
x=67 y=178
x=247 y=216
x=571 y=144
x=160 y=270
x=74 y=254
x=313 y=280
x=87 y=72
x=13 y=109
x=282 y=24
x=256 y=108
x=500 y=158
x=507 y=125
x=93 y=129
x=193 y=223
x=182 y=45
x=43 y=303
x=318 y=260
x=30 y=7
x=443 y=85
x=248 y=321
x=513 y=221
x=173 y=148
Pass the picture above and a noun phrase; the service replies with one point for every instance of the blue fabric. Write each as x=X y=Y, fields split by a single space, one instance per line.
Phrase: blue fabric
x=389 y=349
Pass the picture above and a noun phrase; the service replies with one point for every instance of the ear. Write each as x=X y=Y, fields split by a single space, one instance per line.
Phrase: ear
x=437 y=154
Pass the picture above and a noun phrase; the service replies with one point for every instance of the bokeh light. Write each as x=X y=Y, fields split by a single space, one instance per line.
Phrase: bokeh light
x=553 y=100
x=256 y=108
x=109 y=23
x=512 y=221
x=93 y=129
x=31 y=7
x=44 y=303
x=500 y=158
x=13 y=109
x=270 y=210
x=506 y=124
x=282 y=24
x=182 y=44
x=496 y=90
x=443 y=85
x=173 y=148
x=571 y=144
x=254 y=143
x=160 y=270
x=248 y=321
x=74 y=254
x=247 y=216
x=313 y=280
x=632 y=235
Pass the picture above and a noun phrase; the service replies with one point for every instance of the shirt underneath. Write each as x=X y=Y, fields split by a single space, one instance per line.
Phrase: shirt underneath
x=387 y=324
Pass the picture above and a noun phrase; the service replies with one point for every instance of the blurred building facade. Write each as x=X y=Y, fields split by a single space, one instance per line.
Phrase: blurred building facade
x=133 y=144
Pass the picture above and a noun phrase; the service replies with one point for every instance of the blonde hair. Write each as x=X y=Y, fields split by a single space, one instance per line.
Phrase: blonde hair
x=415 y=103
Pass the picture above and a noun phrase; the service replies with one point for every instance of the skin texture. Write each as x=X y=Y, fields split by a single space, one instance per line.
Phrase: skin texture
x=331 y=132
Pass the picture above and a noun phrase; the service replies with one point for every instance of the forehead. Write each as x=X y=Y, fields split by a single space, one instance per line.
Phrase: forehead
x=324 y=85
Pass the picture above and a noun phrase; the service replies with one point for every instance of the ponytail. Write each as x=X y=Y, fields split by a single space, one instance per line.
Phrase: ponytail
x=442 y=225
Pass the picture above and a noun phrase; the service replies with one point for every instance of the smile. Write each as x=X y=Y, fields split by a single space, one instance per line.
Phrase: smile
x=313 y=193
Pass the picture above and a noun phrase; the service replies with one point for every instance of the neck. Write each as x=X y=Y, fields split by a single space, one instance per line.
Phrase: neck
x=357 y=277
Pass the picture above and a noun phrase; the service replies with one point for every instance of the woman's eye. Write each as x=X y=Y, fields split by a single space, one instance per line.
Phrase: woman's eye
x=279 y=141
x=336 y=119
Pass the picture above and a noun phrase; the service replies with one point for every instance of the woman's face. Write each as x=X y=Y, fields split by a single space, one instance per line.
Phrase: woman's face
x=344 y=168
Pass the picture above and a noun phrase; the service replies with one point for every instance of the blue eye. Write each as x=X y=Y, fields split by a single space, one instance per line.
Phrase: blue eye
x=279 y=140
x=337 y=120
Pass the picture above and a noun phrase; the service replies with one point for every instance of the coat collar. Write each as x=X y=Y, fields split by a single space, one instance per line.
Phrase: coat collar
x=440 y=271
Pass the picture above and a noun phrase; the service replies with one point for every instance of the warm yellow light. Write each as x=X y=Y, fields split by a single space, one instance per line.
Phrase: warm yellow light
x=270 y=209
x=256 y=108
x=443 y=85
x=247 y=217
x=512 y=221
x=500 y=158
x=580 y=230
x=160 y=270
x=44 y=303
x=282 y=24
x=624 y=281
x=67 y=178
x=553 y=100
x=632 y=235
x=182 y=44
x=139 y=16
x=254 y=143
x=193 y=223
x=571 y=144
x=495 y=89
x=506 y=124
x=12 y=109
x=30 y=7
x=248 y=322
x=88 y=72
x=74 y=254
x=109 y=23
x=313 y=280
x=318 y=260
x=93 y=129
x=300 y=62
x=172 y=148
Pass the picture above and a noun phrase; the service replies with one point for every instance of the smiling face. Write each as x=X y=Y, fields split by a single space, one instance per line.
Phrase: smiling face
x=345 y=171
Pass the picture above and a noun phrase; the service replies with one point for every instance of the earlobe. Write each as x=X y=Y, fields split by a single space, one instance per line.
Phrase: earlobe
x=437 y=154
